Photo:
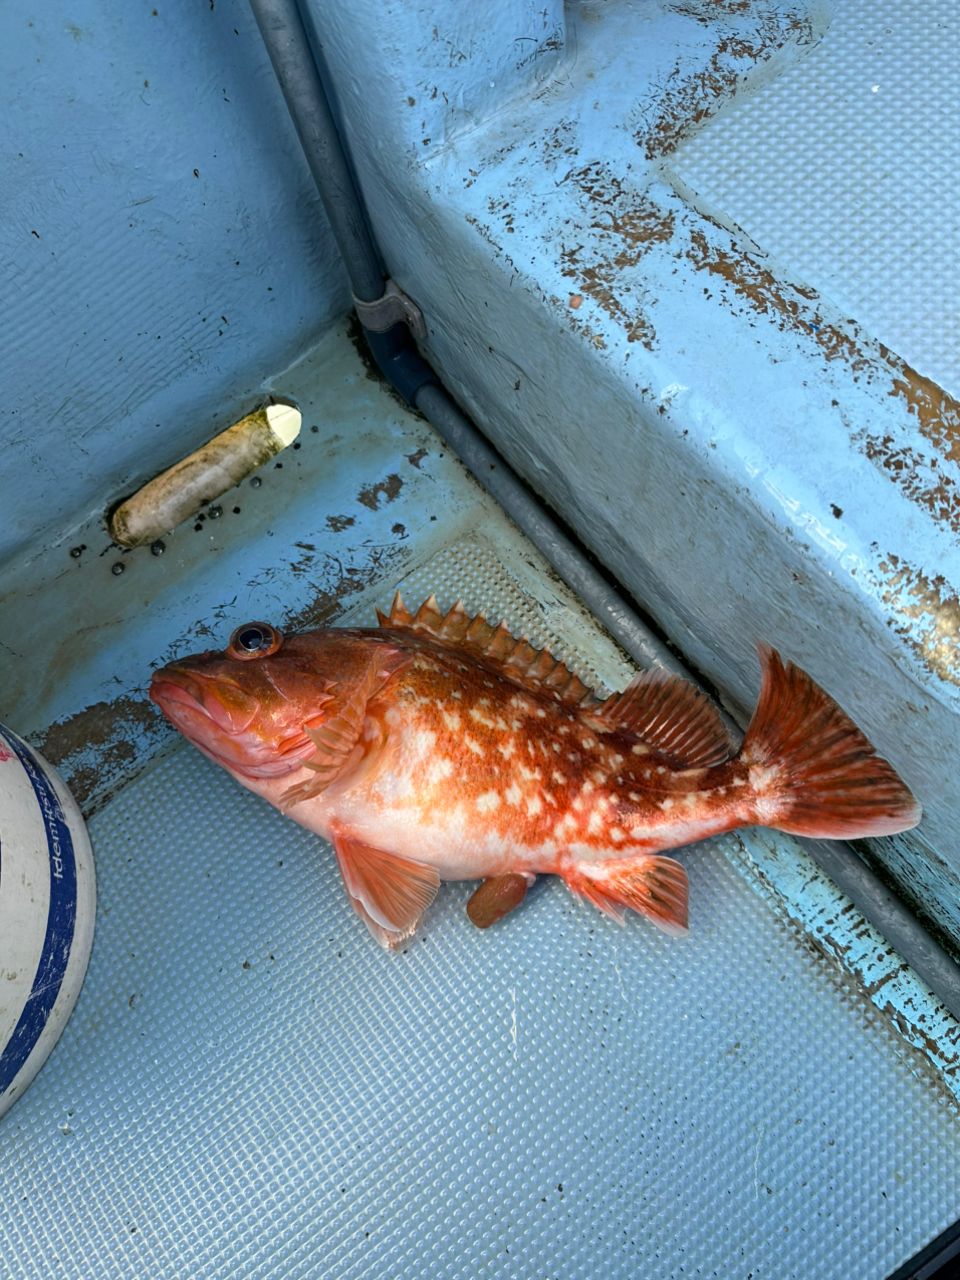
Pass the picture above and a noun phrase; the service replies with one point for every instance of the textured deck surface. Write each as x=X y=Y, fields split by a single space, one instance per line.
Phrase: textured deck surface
x=843 y=169
x=251 y=1087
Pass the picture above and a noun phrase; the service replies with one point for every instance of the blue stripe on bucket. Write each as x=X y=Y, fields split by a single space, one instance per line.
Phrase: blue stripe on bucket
x=61 y=919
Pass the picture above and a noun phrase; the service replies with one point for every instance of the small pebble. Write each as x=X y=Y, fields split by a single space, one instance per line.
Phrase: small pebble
x=118 y=568
x=157 y=548
x=215 y=513
x=256 y=482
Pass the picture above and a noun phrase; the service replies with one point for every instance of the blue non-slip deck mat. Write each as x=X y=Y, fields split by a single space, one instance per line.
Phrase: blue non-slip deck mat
x=251 y=1087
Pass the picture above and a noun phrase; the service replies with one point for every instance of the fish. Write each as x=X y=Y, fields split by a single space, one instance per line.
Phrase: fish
x=439 y=746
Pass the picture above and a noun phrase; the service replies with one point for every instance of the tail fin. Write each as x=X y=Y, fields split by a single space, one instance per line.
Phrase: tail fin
x=812 y=771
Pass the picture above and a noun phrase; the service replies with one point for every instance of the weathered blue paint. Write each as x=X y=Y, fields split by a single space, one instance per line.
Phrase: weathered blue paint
x=750 y=464
x=631 y=359
x=163 y=243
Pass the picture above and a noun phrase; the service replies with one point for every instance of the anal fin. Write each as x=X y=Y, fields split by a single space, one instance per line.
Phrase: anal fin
x=653 y=886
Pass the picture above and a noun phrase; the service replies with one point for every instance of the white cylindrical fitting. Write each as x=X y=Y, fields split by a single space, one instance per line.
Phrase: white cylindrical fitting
x=178 y=493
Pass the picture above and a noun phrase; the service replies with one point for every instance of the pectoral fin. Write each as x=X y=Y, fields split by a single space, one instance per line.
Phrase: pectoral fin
x=388 y=892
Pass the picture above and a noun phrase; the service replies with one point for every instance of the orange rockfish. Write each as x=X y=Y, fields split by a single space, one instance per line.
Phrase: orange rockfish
x=438 y=747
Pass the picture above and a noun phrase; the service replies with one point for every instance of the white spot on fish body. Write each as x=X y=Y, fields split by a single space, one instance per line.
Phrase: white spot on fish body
x=439 y=770
x=507 y=748
x=451 y=719
x=472 y=745
x=529 y=775
x=534 y=805
x=559 y=778
x=487 y=802
x=594 y=824
x=640 y=750
x=423 y=742
x=617 y=834
x=667 y=804
x=513 y=794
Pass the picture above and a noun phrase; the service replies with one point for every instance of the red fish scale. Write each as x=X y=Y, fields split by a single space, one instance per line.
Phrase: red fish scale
x=526 y=767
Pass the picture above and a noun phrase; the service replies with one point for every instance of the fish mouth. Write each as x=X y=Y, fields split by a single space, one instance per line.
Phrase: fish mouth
x=186 y=696
x=214 y=715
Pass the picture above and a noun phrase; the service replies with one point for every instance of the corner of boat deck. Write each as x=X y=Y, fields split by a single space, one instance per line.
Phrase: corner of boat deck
x=689 y=267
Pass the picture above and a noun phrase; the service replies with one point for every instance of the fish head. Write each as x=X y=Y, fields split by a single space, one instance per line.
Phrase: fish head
x=252 y=706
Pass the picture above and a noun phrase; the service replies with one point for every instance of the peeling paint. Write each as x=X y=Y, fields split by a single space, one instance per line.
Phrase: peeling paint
x=796 y=308
x=917 y=475
x=692 y=100
x=628 y=225
x=707 y=11
x=339 y=523
x=99 y=748
x=388 y=488
x=831 y=927
x=936 y=412
x=790 y=305
x=933 y=610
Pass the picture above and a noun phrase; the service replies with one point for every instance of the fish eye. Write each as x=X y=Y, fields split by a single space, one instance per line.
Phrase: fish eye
x=254 y=640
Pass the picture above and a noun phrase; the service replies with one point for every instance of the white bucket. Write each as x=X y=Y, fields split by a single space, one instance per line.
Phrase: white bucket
x=47 y=908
